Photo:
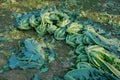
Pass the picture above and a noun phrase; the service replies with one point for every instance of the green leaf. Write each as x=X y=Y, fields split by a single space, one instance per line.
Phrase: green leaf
x=71 y=40
x=22 y=22
x=80 y=49
x=82 y=58
x=13 y=62
x=41 y=29
x=44 y=69
x=31 y=56
x=112 y=45
x=81 y=74
x=79 y=39
x=82 y=65
x=101 y=58
x=63 y=23
x=74 y=28
x=60 y=34
x=88 y=73
x=33 y=21
x=64 y=19
x=54 y=18
x=51 y=28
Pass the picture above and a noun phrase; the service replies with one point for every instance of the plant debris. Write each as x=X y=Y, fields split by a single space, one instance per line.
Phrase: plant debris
x=96 y=56
x=33 y=55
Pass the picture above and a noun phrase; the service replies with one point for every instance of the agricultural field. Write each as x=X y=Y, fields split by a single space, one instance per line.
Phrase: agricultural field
x=59 y=39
